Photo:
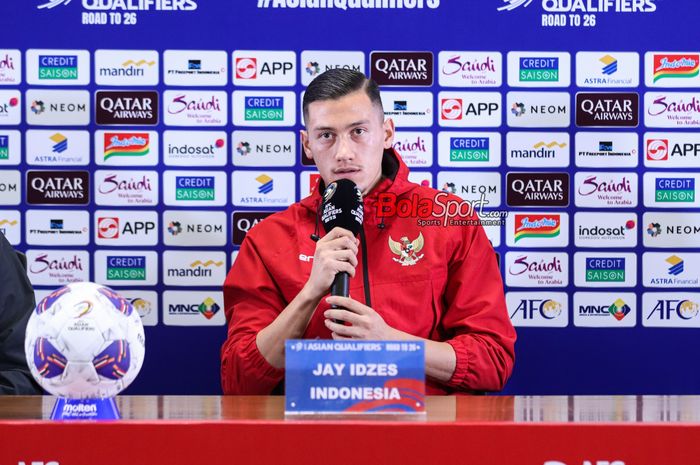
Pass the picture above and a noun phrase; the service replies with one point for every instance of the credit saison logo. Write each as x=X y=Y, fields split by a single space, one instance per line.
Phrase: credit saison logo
x=126 y=107
x=126 y=5
x=58 y=187
x=402 y=68
x=538 y=69
x=4 y=147
x=126 y=268
x=674 y=190
x=607 y=109
x=264 y=108
x=536 y=226
x=132 y=144
x=64 y=67
x=466 y=149
x=618 y=309
x=605 y=269
x=538 y=189
x=675 y=66
x=195 y=188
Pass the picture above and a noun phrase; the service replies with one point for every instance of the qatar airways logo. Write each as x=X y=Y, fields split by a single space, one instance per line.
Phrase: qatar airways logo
x=195 y=108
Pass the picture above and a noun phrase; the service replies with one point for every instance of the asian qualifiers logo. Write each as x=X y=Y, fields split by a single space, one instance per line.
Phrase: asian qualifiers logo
x=512 y=4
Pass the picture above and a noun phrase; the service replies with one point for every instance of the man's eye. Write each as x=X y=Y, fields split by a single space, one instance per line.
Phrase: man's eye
x=326 y=135
x=359 y=131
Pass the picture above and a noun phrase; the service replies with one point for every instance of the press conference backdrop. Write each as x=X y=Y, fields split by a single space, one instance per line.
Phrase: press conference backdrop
x=140 y=140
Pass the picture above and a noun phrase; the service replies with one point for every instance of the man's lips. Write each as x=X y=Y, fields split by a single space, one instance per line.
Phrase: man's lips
x=346 y=170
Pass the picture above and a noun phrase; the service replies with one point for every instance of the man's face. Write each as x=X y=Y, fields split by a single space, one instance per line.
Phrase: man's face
x=346 y=138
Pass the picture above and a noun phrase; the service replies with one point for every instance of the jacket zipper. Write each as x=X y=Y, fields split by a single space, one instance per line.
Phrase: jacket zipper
x=365 y=275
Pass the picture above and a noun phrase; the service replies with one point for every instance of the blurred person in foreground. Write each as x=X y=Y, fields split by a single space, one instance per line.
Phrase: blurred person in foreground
x=440 y=284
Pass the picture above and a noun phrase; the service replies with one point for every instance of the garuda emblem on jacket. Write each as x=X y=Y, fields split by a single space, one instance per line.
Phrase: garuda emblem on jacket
x=407 y=250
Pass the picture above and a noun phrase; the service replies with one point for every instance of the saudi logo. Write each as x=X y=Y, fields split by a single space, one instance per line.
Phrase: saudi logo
x=619 y=309
x=265 y=184
x=676 y=263
x=60 y=143
x=609 y=65
x=513 y=4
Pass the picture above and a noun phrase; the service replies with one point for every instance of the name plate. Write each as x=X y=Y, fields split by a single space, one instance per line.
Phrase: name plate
x=371 y=377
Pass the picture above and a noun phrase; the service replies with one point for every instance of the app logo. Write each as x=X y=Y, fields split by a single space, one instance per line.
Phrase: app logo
x=609 y=65
x=676 y=66
x=605 y=269
x=246 y=68
x=264 y=108
x=607 y=109
x=132 y=144
x=536 y=226
x=58 y=67
x=676 y=263
x=675 y=190
x=451 y=108
x=657 y=149
x=108 y=228
x=195 y=188
x=266 y=185
x=126 y=108
x=58 y=187
x=538 y=189
x=402 y=68
x=466 y=149
x=539 y=69
x=126 y=268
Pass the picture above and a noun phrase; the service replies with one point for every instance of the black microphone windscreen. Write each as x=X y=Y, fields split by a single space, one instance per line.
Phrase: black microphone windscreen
x=342 y=206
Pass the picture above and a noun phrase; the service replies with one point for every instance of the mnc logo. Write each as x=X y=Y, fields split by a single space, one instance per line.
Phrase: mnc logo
x=675 y=190
x=539 y=69
x=264 y=108
x=605 y=269
x=126 y=268
x=208 y=308
x=195 y=188
x=469 y=149
x=58 y=67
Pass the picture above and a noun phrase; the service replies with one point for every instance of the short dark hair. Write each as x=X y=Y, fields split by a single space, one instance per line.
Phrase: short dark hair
x=338 y=82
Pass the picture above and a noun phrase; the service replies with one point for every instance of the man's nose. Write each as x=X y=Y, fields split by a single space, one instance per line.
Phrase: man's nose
x=344 y=151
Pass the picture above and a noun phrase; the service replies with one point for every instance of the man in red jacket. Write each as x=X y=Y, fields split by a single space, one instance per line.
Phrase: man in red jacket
x=409 y=281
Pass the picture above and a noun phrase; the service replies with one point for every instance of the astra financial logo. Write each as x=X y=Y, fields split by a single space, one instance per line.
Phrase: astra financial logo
x=614 y=69
x=402 y=68
x=607 y=109
x=538 y=189
x=126 y=108
x=58 y=187
x=663 y=270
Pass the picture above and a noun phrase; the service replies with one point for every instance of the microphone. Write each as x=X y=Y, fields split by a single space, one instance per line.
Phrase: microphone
x=342 y=206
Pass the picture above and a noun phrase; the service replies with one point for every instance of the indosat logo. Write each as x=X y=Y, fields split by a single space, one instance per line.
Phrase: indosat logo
x=585 y=6
x=127 y=5
x=135 y=144
x=536 y=226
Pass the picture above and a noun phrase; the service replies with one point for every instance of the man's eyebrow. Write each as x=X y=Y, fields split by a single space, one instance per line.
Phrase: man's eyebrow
x=351 y=125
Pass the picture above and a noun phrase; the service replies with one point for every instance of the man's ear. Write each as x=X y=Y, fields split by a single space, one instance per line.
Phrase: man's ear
x=305 y=144
x=389 y=132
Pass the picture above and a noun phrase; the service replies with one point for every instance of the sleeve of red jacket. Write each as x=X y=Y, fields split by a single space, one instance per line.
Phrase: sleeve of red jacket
x=477 y=318
x=251 y=301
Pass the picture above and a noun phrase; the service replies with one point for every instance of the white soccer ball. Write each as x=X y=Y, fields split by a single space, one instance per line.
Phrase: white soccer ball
x=84 y=341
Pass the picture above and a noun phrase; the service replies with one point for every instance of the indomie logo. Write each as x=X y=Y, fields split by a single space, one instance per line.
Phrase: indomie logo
x=536 y=226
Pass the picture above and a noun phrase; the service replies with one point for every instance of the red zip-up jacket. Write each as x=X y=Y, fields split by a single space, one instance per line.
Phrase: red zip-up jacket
x=453 y=293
